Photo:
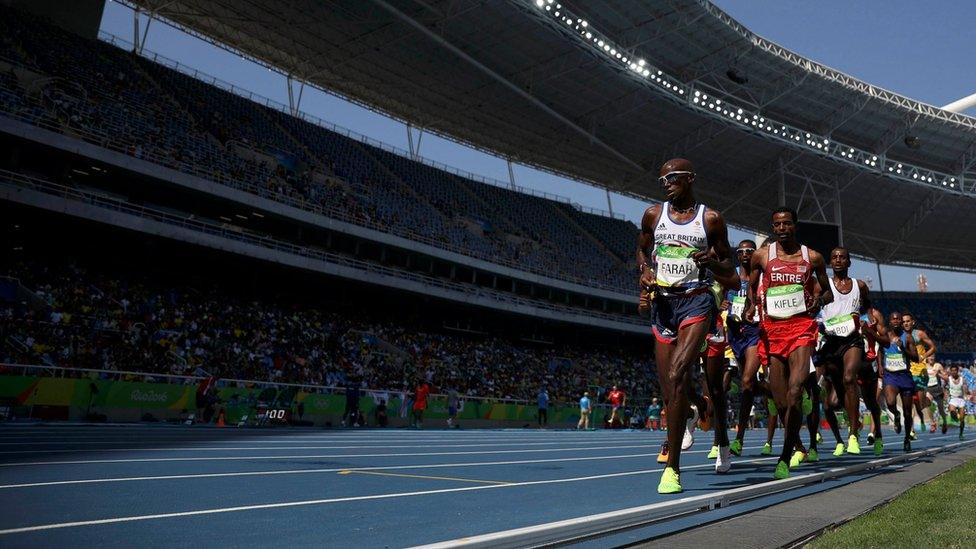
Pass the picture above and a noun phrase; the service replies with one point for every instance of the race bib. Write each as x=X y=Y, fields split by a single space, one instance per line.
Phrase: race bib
x=840 y=325
x=675 y=267
x=738 y=307
x=895 y=362
x=785 y=301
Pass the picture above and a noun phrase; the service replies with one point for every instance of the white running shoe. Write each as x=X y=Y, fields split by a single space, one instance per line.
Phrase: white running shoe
x=724 y=461
x=689 y=439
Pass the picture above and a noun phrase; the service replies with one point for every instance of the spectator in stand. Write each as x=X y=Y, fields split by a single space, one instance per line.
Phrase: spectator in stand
x=654 y=415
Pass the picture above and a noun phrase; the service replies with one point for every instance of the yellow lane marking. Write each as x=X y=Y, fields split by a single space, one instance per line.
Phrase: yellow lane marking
x=349 y=471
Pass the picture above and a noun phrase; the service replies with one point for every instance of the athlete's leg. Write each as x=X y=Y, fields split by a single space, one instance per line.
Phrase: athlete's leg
x=674 y=369
x=871 y=401
x=771 y=422
x=750 y=369
x=940 y=402
x=714 y=372
x=788 y=380
x=813 y=418
x=852 y=364
x=906 y=404
x=831 y=404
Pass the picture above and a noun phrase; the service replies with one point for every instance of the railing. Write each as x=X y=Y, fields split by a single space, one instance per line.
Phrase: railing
x=128 y=375
x=267 y=242
x=112 y=141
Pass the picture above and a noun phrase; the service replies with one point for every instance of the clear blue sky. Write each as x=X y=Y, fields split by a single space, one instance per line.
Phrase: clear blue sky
x=920 y=49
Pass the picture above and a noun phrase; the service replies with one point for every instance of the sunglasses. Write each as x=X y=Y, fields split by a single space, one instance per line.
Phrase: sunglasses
x=671 y=177
x=745 y=250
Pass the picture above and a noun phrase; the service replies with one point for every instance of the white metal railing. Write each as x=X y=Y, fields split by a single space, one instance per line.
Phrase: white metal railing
x=22 y=181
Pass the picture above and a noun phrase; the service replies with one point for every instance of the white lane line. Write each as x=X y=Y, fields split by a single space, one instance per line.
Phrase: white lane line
x=332 y=470
x=329 y=447
x=302 y=503
x=270 y=439
x=301 y=456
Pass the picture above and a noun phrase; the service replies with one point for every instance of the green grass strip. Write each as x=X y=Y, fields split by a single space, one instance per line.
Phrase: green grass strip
x=940 y=513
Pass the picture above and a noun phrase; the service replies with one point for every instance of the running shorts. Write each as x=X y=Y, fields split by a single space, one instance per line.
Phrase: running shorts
x=834 y=348
x=867 y=372
x=921 y=382
x=957 y=402
x=671 y=313
x=782 y=337
x=901 y=380
x=741 y=336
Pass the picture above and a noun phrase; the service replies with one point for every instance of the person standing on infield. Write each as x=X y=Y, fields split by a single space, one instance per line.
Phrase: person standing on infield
x=586 y=408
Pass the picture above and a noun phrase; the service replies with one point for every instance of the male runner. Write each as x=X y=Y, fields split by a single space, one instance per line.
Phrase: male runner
x=871 y=373
x=689 y=243
x=898 y=349
x=783 y=279
x=926 y=348
x=843 y=347
x=937 y=375
x=743 y=335
x=958 y=391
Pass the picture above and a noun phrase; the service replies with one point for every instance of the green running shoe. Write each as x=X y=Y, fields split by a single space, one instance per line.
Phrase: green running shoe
x=736 y=447
x=839 y=450
x=798 y=458
x=713 y=454
x=853 y=446
x=812 y=456
x=670 y=482
x=782 y=471
x=819 y=438
x=878 y=446
x=807 y=405
x=767 y=449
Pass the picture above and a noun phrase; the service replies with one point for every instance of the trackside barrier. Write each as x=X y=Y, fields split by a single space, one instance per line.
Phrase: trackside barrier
x=605 y=523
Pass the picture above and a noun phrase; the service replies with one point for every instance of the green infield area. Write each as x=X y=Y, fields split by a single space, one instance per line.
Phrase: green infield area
x=939 y=513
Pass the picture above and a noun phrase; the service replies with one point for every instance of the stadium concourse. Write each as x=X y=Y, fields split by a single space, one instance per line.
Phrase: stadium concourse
x=196 y=281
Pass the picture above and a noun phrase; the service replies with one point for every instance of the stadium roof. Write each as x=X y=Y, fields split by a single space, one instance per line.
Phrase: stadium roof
x=606 y=90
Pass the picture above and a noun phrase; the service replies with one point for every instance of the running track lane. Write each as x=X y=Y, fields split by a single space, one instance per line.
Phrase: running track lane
x=405 y=488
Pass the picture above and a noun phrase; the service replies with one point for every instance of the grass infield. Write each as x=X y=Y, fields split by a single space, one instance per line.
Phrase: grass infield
x=940 y=513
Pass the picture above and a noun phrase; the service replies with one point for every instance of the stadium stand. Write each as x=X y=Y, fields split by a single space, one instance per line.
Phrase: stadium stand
x=114 y=98
x=121 y=321
x=948 y=317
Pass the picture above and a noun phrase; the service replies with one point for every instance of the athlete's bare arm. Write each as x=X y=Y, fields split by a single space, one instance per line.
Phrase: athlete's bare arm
x=929 y=344
x=910 y=348
x=644 y=242
x=718 y=258
x=820 y=270
x=865 y=295
x=756 y=266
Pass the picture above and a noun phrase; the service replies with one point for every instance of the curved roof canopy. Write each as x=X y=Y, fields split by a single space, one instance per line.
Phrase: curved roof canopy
x=605 y=90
